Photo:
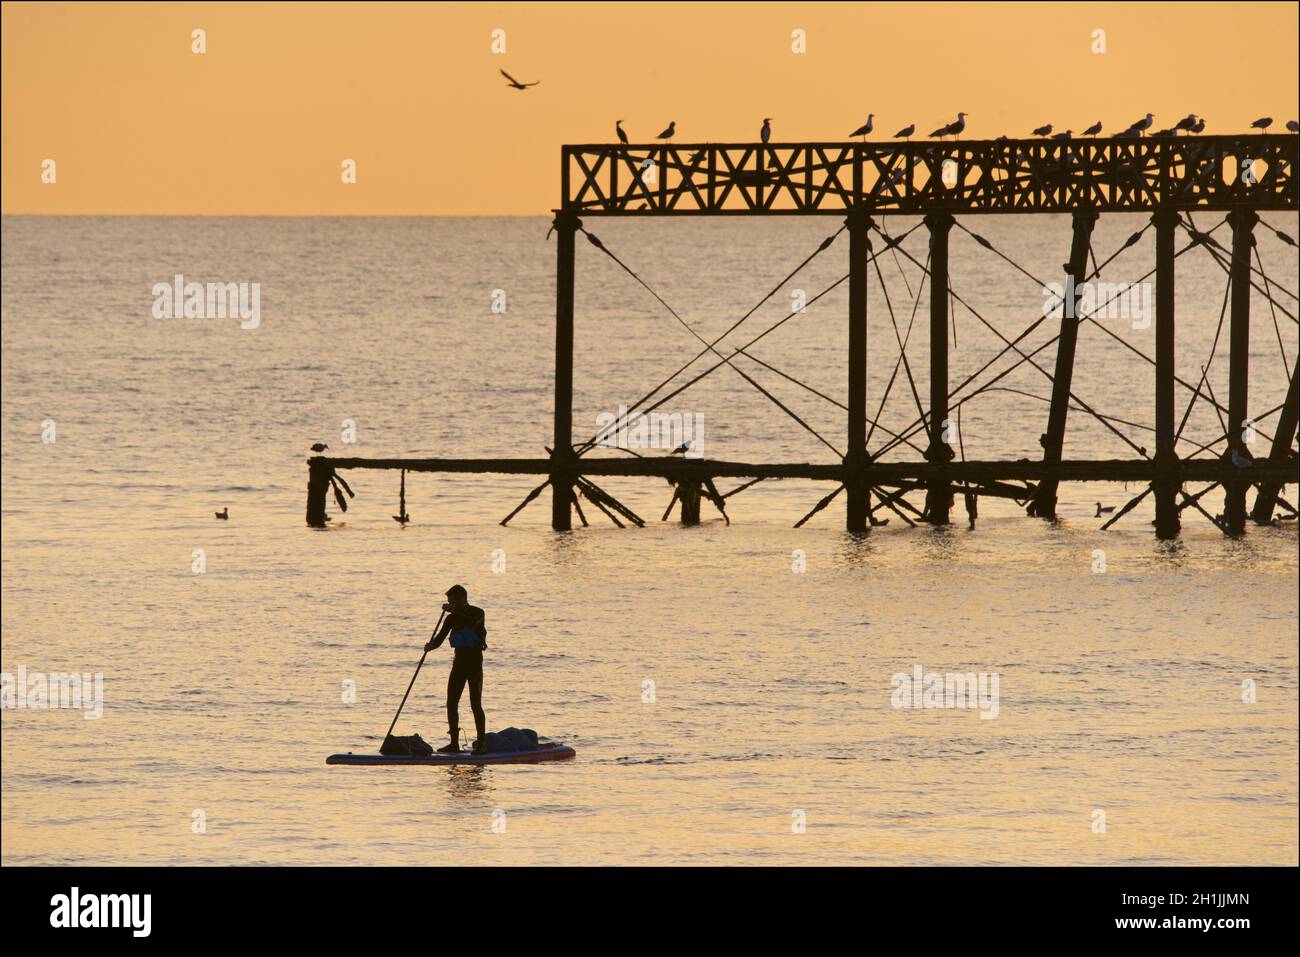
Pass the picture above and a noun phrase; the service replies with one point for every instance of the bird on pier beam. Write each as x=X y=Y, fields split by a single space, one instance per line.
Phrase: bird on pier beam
x=1142 y=125
x=1044 y=131
x=1064 y=136
x=941 y=132
x=1186 y=123
x=1093 y=130
x=1292 y=126
x=1263 y=123
x=905 y=133
x=618 y=128
x=865 y=128
x=1198 y=125
x=766 y=132
x=956 y=126
x=668 y=133
x=515 y=84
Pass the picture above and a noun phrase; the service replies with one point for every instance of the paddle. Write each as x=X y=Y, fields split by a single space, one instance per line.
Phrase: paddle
x=412 y=684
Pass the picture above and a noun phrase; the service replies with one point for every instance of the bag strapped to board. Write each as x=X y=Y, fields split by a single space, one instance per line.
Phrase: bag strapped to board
x=410 y=744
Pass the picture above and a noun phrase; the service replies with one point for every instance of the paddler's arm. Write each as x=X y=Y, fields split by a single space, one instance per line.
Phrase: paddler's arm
x=441 y=636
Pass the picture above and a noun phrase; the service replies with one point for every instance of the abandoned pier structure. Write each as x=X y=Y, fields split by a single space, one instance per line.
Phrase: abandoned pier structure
x=1165 y=181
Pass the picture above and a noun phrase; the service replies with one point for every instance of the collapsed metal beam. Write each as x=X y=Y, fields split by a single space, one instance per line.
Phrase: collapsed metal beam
x=1053 y=440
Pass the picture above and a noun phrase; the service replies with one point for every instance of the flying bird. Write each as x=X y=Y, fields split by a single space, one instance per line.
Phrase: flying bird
x=618 y=128
x=319 y=447
x=668 y=133
x=766 y=132
x=1093 y=130
x=223 y=514
x=906 y=132
x=865 y=128
x=515 y=84
x=1043 y=130
x=1262 y=123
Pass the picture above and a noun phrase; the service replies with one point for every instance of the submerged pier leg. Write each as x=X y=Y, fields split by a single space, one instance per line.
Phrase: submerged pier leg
x=938 y=496
x=1167 y=481
x=1044 y=501
x=688 y=493
x=1243 y=223
x=319 y=471
x=855 y=460
x=563 y=459
x=1262 y=513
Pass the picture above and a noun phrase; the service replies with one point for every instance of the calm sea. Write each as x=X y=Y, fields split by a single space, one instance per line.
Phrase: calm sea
x=726 y=707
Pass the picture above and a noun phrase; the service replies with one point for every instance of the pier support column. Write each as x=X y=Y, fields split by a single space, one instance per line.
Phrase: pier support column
x=563 y=459
x=855 y=460
x=1243 y=223
x=319 y=471
x=1282 y=439
x=938 y=497
x=688 y=494
x=1053 y=440
x=1167 y=482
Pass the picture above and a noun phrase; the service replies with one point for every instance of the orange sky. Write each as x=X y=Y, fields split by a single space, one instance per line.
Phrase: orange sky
x=260 y=124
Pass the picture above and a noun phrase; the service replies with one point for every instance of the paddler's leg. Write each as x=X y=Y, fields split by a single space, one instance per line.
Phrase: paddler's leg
x=455 y=685
x=476 y=701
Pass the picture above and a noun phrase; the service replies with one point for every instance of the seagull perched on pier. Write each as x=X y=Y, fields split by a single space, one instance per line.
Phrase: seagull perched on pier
x=668 y=133
x=1103 y=510
x=223 y=514
x=1198 y=125
x=1045 y=130
x=1142 y=125
x=766 y=132
x=618 y=128
x=1293 y=126
x=956 y=126
x=1063 y=136
x=1186 y=123
x=905 y=133
x=319 y=447
x=1263 y=123
x=515 y=84
x=865 y=128
x=1093 y=130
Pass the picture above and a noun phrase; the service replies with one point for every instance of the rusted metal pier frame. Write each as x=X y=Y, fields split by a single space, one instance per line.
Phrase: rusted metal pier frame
x=882 y=473
x=1160 y=176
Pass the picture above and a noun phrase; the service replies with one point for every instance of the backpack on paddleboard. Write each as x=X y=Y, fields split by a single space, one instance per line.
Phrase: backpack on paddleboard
x=411 y=744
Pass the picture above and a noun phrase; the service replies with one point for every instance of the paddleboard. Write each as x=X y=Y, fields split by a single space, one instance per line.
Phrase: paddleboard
x=546 y=751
